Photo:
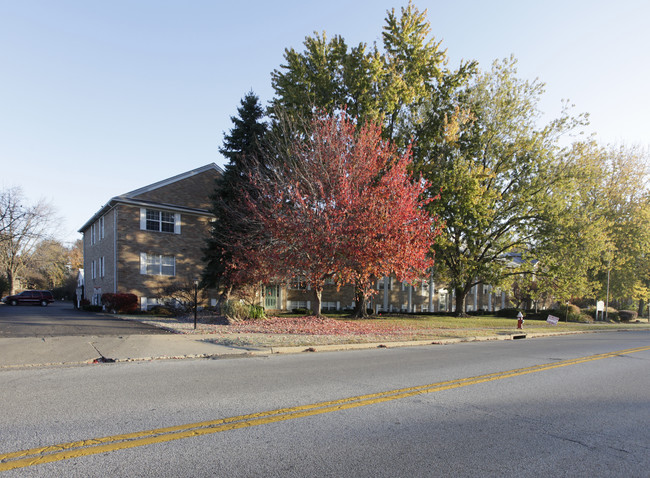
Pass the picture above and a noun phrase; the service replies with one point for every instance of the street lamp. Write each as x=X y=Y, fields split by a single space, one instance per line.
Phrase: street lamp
x=196 y=296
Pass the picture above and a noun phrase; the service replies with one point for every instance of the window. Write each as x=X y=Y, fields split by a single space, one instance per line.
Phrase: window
x=101 y=228
x=298 y=283
x=384 y=282
x=93 y=270
x=93 y=229
x=157 y=265
x=160 y=221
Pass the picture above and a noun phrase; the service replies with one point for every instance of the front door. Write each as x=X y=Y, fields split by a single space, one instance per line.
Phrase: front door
x=272 y=297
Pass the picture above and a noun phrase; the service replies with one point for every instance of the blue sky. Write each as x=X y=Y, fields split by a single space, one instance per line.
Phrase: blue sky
x=98 y=98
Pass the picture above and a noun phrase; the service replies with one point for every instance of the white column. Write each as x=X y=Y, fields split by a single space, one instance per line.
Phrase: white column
x=490 y=298
x=386 y=284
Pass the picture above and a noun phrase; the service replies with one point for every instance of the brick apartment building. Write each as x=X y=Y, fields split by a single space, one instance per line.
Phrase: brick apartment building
x=146 y=240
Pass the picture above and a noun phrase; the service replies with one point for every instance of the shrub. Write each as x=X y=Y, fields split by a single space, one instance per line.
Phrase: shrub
x=120 y=303
x=627 y=315
x=302 y=311
x=237 y=310
x=612 y=313
x=511 y=312
x=161 y=310
x=571 y=313
x=257 y=312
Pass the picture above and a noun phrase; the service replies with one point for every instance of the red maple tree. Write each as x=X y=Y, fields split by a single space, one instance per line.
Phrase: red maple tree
x=343 y=205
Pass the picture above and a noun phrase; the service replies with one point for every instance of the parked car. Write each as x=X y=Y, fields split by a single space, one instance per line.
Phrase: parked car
x=35 y=297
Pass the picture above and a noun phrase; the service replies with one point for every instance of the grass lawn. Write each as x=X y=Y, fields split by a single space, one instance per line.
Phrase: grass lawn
x=293 y=329
x=486 y=325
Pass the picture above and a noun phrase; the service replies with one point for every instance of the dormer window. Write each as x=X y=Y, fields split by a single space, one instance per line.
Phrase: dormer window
x=160 y=221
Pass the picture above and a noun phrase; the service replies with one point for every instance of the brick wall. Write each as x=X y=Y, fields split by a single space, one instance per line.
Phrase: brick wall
x=102 y=247
x=186 y=247
x=193 y=192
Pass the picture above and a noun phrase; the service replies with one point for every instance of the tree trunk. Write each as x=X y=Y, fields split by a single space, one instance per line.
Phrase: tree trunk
x=224 y=297
x=316 y=310
x=10 y=282
x=461 y=295
x=360 y=304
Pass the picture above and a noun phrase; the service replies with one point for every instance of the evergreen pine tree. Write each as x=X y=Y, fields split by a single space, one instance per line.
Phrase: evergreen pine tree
x=242 y=146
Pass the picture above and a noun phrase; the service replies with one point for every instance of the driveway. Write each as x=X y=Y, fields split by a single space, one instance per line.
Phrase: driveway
x=61 y=319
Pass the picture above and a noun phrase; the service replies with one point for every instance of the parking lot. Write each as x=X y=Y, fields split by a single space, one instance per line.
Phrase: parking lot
x=61 y=319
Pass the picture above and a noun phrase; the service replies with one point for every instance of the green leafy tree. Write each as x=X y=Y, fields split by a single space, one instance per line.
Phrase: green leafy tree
x=572 y=236
x=627 y=211
x=497 y=172
x=386 y=86
x=233 y=234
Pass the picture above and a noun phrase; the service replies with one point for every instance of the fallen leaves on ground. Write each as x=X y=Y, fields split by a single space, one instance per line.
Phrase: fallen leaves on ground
x=315 y=326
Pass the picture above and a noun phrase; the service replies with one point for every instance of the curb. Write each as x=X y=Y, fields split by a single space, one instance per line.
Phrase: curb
x=285 y=350
x=414 y=343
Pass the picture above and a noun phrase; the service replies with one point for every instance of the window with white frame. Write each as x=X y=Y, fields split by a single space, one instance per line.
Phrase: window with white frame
x=160 y=221
x=101 y=266
x=101 y=228
x=93 y=270
x=93 y=230
x=157 y=264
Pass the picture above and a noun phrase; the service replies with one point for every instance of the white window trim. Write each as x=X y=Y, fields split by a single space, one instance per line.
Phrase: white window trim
x=143 y=221
x=143 y=264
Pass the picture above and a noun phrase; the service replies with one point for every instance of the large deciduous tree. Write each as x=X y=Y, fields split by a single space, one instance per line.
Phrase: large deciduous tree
x=22 y=227
x=235 y=236
x=497 y=171
x=387 y=86
x=341 y=204
x=625 y=189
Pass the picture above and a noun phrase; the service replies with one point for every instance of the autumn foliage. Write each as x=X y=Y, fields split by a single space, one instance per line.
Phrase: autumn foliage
x=341 y=204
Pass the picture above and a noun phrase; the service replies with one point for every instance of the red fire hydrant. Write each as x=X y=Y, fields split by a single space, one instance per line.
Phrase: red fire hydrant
x=520 y=320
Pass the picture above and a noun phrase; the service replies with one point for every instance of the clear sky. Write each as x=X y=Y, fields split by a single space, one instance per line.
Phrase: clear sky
x=98 y=98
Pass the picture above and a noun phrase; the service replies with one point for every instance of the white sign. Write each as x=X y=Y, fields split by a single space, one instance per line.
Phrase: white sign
x=600 y=306
x=551 y=319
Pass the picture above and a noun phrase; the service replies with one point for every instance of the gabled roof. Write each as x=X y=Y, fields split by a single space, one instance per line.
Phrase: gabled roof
x=132 y=196
x=168 y=181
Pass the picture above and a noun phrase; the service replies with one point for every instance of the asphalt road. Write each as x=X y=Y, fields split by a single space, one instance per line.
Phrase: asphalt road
x=61 y=319
x=568 y=406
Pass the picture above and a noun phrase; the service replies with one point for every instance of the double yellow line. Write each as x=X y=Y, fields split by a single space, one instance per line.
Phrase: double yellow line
x=65 y=451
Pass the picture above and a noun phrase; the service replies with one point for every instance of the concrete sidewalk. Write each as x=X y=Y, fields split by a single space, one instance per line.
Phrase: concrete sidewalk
x=39 y=351
x=76 y=350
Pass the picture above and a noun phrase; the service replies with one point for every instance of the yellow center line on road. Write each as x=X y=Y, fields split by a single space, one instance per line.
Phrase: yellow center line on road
x=65 y=451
